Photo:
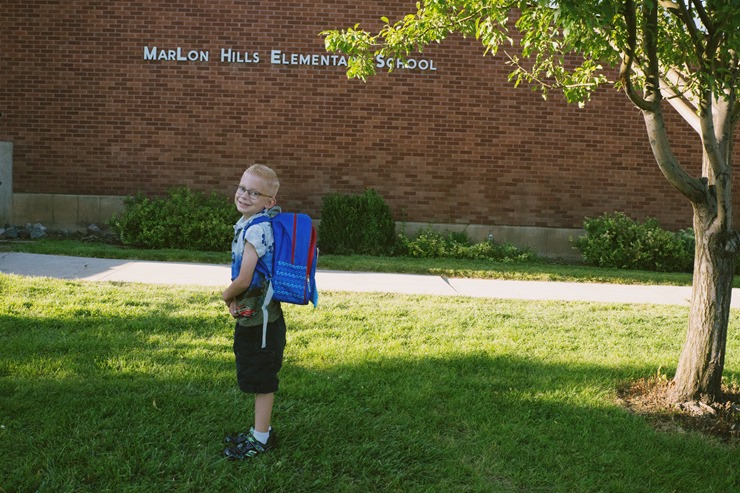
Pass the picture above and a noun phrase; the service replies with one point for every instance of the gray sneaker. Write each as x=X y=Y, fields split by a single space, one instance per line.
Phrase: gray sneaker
x=236 y=439
x=245 y=445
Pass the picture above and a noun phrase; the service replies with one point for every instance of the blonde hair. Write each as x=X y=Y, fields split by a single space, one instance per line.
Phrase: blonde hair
x=266 y=174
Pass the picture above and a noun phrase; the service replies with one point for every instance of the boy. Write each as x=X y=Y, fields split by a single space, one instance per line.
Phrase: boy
x=257 y=364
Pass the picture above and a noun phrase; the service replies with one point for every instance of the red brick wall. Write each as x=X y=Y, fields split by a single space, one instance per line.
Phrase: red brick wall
x=88 y=115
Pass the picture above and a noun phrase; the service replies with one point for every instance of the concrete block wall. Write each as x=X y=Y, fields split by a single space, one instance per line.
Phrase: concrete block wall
x=548 y=242
x=63 y=211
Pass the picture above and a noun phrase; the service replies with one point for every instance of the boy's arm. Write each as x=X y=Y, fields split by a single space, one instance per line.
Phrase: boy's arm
x=244 y=279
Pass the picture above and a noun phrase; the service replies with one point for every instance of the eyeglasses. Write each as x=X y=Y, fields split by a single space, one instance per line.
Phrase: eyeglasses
x=253 y=194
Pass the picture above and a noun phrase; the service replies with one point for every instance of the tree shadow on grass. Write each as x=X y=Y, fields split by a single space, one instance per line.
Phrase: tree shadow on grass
x=476 y=423
x=141 y=403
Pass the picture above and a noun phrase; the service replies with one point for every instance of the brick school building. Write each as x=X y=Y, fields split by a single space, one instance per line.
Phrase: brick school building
x=99 y=100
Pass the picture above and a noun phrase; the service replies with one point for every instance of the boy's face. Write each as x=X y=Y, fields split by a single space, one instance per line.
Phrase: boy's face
x=252 y=195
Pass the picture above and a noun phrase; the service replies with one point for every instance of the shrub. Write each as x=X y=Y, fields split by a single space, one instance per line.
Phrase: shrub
x=184 y=219
x=356 y=224
x=430 y=243
x=615 y=240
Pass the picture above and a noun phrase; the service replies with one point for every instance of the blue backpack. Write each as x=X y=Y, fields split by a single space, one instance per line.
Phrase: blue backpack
x=292 y=275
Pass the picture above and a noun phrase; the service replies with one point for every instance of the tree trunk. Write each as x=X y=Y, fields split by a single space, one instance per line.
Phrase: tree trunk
x=700 y=366
x=699 y=372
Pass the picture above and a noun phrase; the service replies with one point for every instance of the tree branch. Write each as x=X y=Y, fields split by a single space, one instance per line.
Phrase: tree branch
x=628 y=55
x=683 y=13
x=694 y=189
x=705 y=19
x=684 y=104
x=650 y=47
x=716 y=137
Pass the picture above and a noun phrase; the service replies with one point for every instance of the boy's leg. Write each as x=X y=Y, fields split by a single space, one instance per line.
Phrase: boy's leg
x=257 y=370
x=263 y=411
x=255 y=442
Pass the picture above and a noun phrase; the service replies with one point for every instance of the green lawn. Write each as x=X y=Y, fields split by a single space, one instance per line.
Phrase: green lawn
x=127 y=387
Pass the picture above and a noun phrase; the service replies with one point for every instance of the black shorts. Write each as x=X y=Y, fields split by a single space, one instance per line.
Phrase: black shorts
x=256 y=367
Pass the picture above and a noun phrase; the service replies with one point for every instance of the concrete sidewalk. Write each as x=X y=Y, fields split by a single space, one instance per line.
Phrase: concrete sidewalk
x=92 y=269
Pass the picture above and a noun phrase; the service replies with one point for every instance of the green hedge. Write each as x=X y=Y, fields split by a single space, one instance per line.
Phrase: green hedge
x=615 y=240
x=184 y=219
x=356 y=224
x=429 y=243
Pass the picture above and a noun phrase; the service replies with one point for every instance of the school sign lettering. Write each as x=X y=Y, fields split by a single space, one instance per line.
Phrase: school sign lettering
x=277 y=57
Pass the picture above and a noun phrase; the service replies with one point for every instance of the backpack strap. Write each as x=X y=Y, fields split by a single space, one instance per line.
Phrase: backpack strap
x=260 y=269
x=268 y=298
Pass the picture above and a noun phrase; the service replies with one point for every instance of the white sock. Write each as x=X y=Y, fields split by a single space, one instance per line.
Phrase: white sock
x=262 y=437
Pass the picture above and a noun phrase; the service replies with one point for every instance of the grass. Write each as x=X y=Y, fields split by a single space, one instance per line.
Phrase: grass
x=530 y=271
x=130 y=387
x=99 y=249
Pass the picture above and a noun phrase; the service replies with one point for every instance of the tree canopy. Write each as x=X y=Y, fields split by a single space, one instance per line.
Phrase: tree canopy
x=574 y=46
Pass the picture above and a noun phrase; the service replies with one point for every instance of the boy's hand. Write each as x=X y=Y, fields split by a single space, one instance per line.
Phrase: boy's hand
x=230 y=305
x=232 y=308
